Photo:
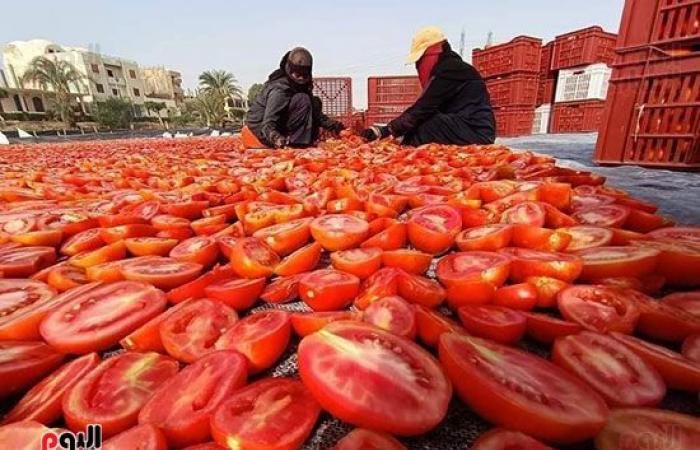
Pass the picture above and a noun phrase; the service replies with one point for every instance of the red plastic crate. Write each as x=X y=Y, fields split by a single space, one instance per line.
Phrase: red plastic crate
x=336 y=96
x=392 y=90
x=659 y=22
x=522 y=54
x=653 y=113
x=513 y=90
x=383 y=114
x=583 y=47
x=546 y=60
x=514 y=121
x=577 y=117
x=545 y=91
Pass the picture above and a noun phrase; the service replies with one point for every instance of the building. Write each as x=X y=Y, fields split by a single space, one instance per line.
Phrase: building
x=27 y=101
x=162 y=83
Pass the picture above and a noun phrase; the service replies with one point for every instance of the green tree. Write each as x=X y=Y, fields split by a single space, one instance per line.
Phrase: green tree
x=253 y=92
x=114 y=113
x=210 y=106
x=58 y=76
x=220 y=82
x=156 y=107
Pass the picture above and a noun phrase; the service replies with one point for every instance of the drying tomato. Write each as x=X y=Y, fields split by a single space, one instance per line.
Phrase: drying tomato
x=307 y=323
x=141 y=437
x=339 y=231
x=599 y=308
x=688 y=301
x=146 y=338
x=493 y=322
x=328 y=290
x=281 y=290
x=166 y=222
x=188 y=210
x=161 y=272
x=537 y=238
x=521 y=391
x=195 y=288
x=114 y=234
x=371 y=378
x=393 y=237
x=521 y=296
x=526 y=213
x=382 y=283
x=412 y=261
x=23 y=262
x=150 y=246
x=282 y=409
x=361 y=262
x=547 y=290
x=113 y=393
x=501 y=439
x=98 y=315
x=252 y=258
x=545 y=329
x=430 y=325
x=42 y=403
x=66 y=277
x=685 y=234
x=111 y=252
x=604 y=262
x=392 y=314
x=191 y=332
x=433 y=229
x=640 y=428
x=284 y=238
x=81 y=242
x=262 y=337
x=610 y=216
x=27 y=435
x=663 y=321
x=202 y=250
x=691 y=348
x=678 y=261
x=238 y=293
x=302 y=260
x=620 y=376
x=22 y=363
x=183 y=404
x=535 y=263
x=485 y=238
x=48 y=238
x=420 y=290
x=363 y=439
x=472 y=277
x=23 y=304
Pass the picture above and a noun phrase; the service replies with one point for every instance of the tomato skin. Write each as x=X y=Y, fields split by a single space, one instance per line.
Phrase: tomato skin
x=382 y=283
x=430 y=325
x=114 y=234
x=328 y=290
x=392 y=314
x=288 y=422
x=545 y=329
x=599 y=308
x=238 y=293
x=207 y=446
x=389 y=390
x=485 y=238
x=183 y=404
x=662 y=321
x=110 y=252
x=412 y=261
x=392 y=237
x=146 y=338
x=130 y=376
x=426 y=235
x=482 y=375
x=678 y=261
x=638 y=428
x=146 y=437
x=501 y=439
x=606 y=262
x=497 y=323
x=85 y=240
x=616 y=373
x=535 y=263
x=521 y=296
x=420 y=290
x=307 y=323
x=361 y=262
x=547 y=290
x=691 y=348
x=688 y=301
x=150 y=246
x=22 y=363
x=286 y=237
x=339 y=231
x=363 y=439
x=202 y=250
x=42 y=403
x=253 y=259
x=19 y=319
x=195 y=288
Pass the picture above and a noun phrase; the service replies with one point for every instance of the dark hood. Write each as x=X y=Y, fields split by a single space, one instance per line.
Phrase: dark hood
x=451 y=66
x=280 y=74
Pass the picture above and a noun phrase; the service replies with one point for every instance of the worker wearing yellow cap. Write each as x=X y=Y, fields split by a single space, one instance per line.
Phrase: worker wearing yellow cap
x=454 y=106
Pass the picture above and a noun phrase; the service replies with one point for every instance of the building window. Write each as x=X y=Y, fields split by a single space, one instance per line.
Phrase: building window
x=38 y=104
x=115 y=92
x=132 y=74
x=100 y=88
x=18 y=102
x=95 y=68
x=110 y=73
x=137 y=92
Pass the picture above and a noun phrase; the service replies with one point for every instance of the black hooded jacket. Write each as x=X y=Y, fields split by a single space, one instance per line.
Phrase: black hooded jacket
x=267 y=115
x=455 y=88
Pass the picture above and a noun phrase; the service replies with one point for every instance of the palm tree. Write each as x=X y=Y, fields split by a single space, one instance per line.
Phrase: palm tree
x=209 y=105
x=220 y=81
x=57 y=75
x=156 y=107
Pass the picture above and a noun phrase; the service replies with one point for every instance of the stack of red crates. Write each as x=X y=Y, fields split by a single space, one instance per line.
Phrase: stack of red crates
x=577 y=49
x=336 y=97
x=511 y=71
x=548 y=77
x=389 y=96
x=653 y=113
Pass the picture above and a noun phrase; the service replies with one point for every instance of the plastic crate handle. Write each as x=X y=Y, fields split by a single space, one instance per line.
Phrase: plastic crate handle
x=638 y=122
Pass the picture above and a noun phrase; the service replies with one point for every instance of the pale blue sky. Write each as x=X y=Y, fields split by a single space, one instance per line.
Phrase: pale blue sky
x=358 y=38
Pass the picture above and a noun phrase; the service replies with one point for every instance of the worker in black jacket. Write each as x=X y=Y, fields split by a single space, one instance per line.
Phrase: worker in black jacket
x=285 y=112
x=454 y=106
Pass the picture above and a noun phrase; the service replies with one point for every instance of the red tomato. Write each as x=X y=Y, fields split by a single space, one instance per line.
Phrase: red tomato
x=392 y=237
x=328 y=290
x=66 y=277
x=536 y=238
x=590 y=201
x=202 y=250
x=485 y=238
x=432 y=229
x=23 y=262
x=161 y=272
x=662 y=321
x=521 y=391
x=363 y=439
x=361 y=262
x=501 y=439
x=526 y=213
x=114 y=220
x=599 y=308
x=535 y=263
x=114 y=234
x=188 y=210
x=22 y=363
x=545 y=329
x=23 y=304
x=110 y=252
x=207 y=446
x=646 y=428
x=611 y=216
x=85 y=240
x=49 y=238
x=688 y=301
x=521 y=296
x=685 y=234
x=472 y=277
x=98 y=316
x=678 y=262
x=165 y=222
x=430 y=325
x=262 y=337
x=677 y=371
x=191 y=331
x=412 y=261
x=372 y=378
x=644 y=222
x=195 y=288
x=150 y=246
x=252 y=258
x=146 y=338
x=615 y=372
x=282 y=290
x=141 y=437
x=604 y=262
x=383 y=283
x=113 y=393
x=493 y=322
x=339 y=231
x=42 y=403
x=238 y=293
x=307 y=323
x=392 y=314
x=183 y=404
x=420 y=290
x=691 y=348
x=302 y=260
x=27 y=435
x=283 y=411
x=285 y=238
x=547 y=290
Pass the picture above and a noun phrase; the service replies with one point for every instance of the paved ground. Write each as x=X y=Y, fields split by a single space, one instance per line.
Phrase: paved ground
x=676 y=193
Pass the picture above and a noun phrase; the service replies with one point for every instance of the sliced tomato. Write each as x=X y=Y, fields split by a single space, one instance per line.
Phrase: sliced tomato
x=195 y=288
x=191 y=332
x=502 y=439
x=339 y=231
x=688 y=301
x=545 y=329
x=611 y=216
x=412 y=261
x=678 y=262
x=22 y=363
x=526 y=213
x=536 y=263
x=432 y=229
x=202 y=250
x=392 y=237
x=113 y=393
x=161 y=272
x=604 y=262
x=114 y=220
x=662 y=321
x=26 y=435
x=282 y=289
x=599 y=308
x=146 y=338
x=392 y=314
x=522 y=296
x=493 y=322
x=371 y=378
x=430 y=325
x=141 y=437
x=42 y=403
x=85 y=240
x=537 y=238
x=184 y=404
x=590 y=201
x=307 y=323
x=685 y=234
x=521 y=391
x=262 y=337
x=164 y=222
x=485 y=238
x=361 y=262
x=472 y=277
x=328 y=290
x=363 y=439
x=238 y=293
x=691 y=348
x=110 y=252
x=644 y=222
x=419 y=290
x=302 y=260
x=23 y=262
x=99 y=315
x=640 y=428
x=285 y=238
x=547 y=290
x=48 y=238
x=66 y=277
x=150 y=245
x=188 y=210
x=282 y=409
x=114 y=234
x=23 y=304
x=615 y=372
x=382 y=283
x=252 y=258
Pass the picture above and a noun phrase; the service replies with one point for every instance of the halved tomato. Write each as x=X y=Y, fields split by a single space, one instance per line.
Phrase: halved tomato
x=411 y=261
x=88 y=258
x=688 y=301
x=302 y=260
x=584 y=237
x=339 y=231
x=146 y=338
x=547 y=290
x=691 y=348
x=189 y=210
x=238 y=293
x=590 y=201
x=599 y=308
x=610 y=216
x=615 y=372
x=66 y=277
x=646 y=428
x=363 y=439
x=535 y=263
x=537 y=238
x=432 y=229
x=392 y=314
x=307 y=323
x=23 y=304
x=164 y=222
x=604 y=262
x=678 y=262
x=663 y=321
x=22 y=262
x=521 y=391
x=22 y=363
x=485 y=238
x=419 y=290
x=282 y=289
x=361 y=262
x=382 y=283
x=522 y=296
x=48 y=238
x=85 y=240
x=472 y=277
x=113 y=393
x=183 y=405
x=685 y=234
x=99 y=315
x=261 y=337
x=371 y=378
x=114 y=234
x=252 y=258
x=143 y=437
x=430 y=325
x=202 y=250
x=526 y=213
x=285 y=238
x=493 y=322
x=150 y=245
x=195 y=288
x=328 y=290
x=545 y=329
x=392 y=237
x=27 y=435
x=282 y=409
x=502 y=439
x=161 y=272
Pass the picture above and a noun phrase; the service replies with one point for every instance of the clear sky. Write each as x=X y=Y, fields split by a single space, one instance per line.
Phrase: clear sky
x=347 y=38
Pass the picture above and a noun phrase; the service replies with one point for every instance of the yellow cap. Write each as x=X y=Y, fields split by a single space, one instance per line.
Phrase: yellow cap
x=423 y=39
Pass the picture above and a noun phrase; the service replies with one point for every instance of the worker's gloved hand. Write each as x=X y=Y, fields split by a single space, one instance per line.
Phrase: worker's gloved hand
x=374 y=133
x=336 y=127
x=280 y=141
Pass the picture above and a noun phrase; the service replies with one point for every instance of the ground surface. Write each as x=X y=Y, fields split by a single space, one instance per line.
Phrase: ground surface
x=676 y=193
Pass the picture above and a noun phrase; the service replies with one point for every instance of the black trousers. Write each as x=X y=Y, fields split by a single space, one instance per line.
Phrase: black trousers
x=448 y=129
x=303 y=120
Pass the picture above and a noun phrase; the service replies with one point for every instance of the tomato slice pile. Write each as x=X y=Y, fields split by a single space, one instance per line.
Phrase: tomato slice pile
x=161 y=287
